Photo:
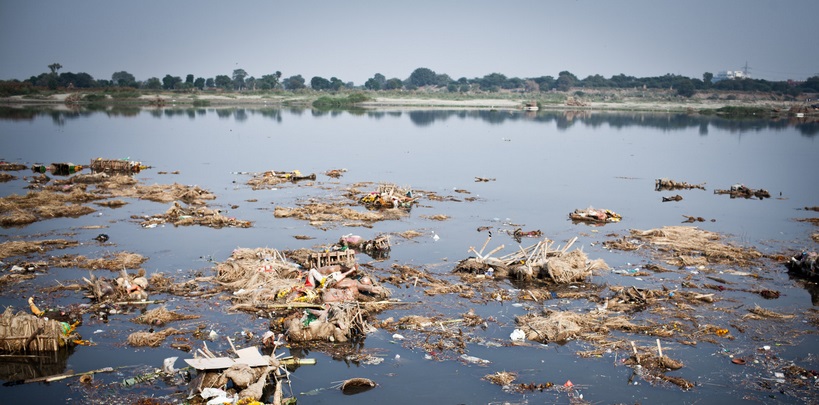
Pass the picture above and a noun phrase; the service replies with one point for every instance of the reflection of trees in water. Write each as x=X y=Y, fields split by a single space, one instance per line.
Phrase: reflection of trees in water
x=240 y=114
x=620 y=120
x=422 y=118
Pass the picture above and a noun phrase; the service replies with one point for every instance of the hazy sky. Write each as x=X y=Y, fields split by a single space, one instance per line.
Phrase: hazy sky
x=353 y=40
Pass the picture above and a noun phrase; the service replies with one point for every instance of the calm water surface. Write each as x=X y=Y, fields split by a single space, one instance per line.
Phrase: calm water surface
x=544 y=164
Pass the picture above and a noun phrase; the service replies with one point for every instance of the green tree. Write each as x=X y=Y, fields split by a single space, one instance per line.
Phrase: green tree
x=153 y=83
x=123 y=79
x=294 y=83
x=372 y=84
x=239 y=79
x=545 y=83
x=250 y=82
x=513 y=83
x=594 y=81
x=79 y=80
x=223 y=81
x=685 y=87
x=169 y=82
x=319 y=83
x=199 y=83
x=54 y=67
x=708 y=79
x=189 y=79
x=492 y=82
x=268 y=82
x=393 y=84
x=565 y=81
x=423 y=77
x=378 y=77
x=209 y=82
x=336 y=84
x=622 y=81
x=811 y=85
x=377 y=82
x=442 y=80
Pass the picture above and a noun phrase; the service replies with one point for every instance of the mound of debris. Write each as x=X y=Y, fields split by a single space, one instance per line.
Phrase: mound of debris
x=319 y=304
x=388 y=196
x=191 y=215
x=272 y=178
x=740 y=191
x=24 y=332
x=594 y=216
x=539 y=261
x=668 y=184
x=688 y=246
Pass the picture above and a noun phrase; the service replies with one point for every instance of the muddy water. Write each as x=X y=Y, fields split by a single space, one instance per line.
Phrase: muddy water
x=543 y=165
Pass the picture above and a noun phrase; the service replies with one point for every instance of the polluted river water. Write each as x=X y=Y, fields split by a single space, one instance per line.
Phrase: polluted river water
x=743 y=330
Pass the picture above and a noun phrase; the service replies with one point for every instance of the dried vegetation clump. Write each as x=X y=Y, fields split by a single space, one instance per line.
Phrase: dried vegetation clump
x=65 y=198
x=111 y=261
x=161 y=315
x=256 y=276
x=541 y=261
x=185 y=216
x=668 y=184
x=16 y=210
x=272 y=178
x=319 y=214
x=151 y=339
x=688 y=246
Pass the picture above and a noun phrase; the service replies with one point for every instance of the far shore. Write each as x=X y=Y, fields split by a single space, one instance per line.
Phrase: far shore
x=658 y=102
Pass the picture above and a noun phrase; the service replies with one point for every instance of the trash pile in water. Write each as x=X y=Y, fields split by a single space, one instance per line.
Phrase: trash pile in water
x=317 y=299
x=595 y=216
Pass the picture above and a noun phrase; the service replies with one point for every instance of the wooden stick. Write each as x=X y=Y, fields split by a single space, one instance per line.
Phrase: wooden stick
x=31 y=337
x=231 y=344
x=486 y=243
x=571 y=242
x=495 y=250
x=58 y=377
x=472 y=249
x=659 y=349
x=64 y=376
x=636 y=356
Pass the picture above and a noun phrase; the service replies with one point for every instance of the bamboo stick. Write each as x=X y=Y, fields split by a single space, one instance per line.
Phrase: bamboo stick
x=495 y=250
x=232 y=347
x=659 y=349
x=486 y=243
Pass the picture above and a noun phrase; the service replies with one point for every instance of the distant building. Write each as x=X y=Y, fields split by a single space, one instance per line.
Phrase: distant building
x=731 y=75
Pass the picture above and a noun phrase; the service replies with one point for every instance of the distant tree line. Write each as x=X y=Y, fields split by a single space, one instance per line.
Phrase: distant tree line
x=421 y=77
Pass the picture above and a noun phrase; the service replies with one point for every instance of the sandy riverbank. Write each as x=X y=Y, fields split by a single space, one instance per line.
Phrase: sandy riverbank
x=431 y=100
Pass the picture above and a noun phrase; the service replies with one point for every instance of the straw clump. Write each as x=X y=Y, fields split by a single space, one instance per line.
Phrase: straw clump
x=561 y=326
x=151 y=339
x=161 y=316
x=691 y=246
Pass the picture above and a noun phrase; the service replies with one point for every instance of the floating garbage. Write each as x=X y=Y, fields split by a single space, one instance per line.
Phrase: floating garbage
x=592 y=215
x=354 y=386
x=517 y=335
x=741 y=191
x=475 y=360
